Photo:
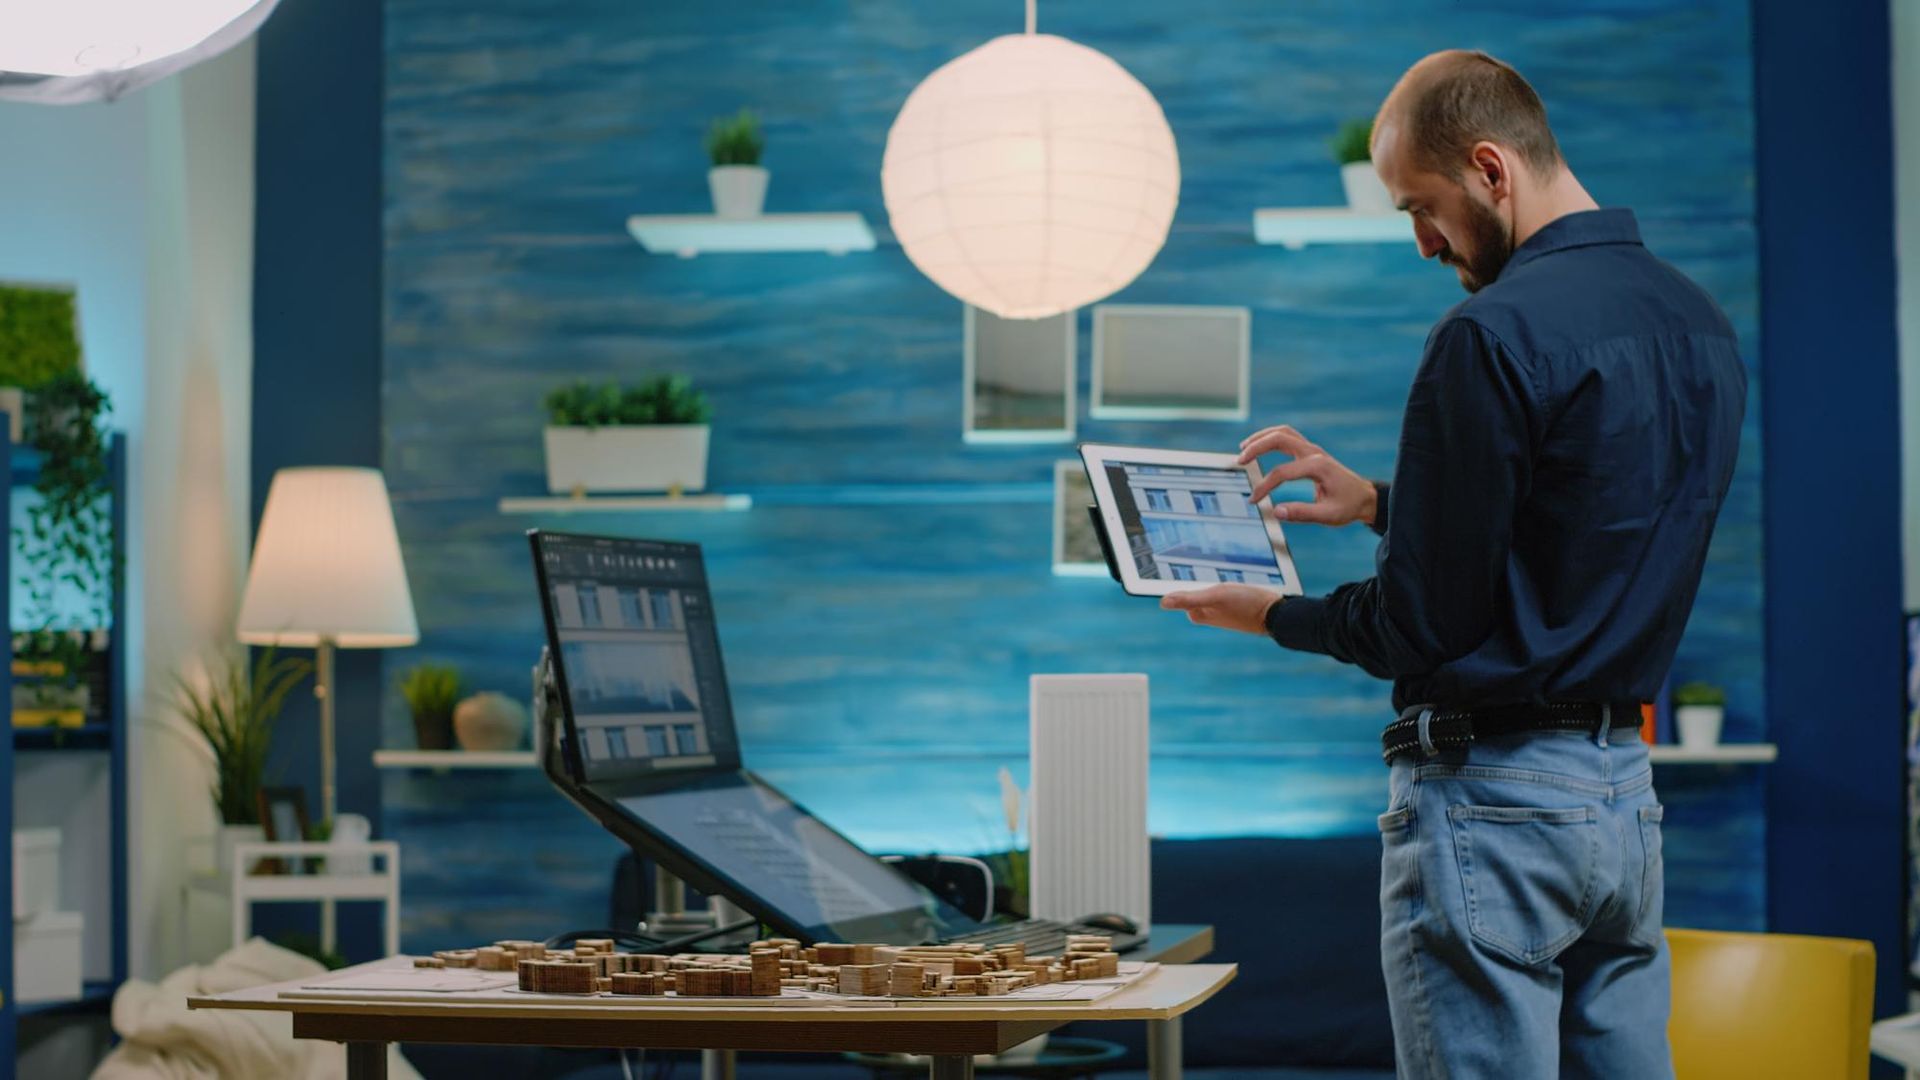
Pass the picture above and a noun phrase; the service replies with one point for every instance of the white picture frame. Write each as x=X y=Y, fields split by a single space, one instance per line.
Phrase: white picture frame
x=1008 y=364
x=1187 y=510
x=1133 y=378
x=1076 y=547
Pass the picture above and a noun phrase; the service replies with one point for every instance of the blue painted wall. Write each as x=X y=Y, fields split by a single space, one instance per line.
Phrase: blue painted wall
x=1835 y=656
x=886 y=600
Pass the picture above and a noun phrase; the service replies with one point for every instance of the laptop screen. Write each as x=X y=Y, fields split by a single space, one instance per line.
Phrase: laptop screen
x=644 y=698
x=639 y=657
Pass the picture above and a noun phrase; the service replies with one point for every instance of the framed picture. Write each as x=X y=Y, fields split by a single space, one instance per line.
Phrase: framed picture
x=1018 y=378
x=1076 y=550
x=283 y=816
x=1170 y=362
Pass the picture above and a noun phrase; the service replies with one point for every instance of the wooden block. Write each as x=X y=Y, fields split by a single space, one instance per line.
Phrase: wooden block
x=739 y=983
x=906 y=980
x=1109 y=964
x=428 y=962
x=1085 y=967
x=603 y=986
x=969 y=965
x=869 y=980
x=456 y=958
x=592 y=945
x=766 y=974
x=833 y=954
x=702 y=982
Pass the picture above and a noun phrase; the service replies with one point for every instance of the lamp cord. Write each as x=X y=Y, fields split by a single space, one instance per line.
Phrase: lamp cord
x=1030 y=15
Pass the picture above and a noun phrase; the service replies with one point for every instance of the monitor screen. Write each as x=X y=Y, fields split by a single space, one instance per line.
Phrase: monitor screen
x=753 y=836
x=638 y=656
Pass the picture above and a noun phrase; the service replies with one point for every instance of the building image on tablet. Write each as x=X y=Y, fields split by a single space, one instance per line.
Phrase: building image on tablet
x=1192 y=524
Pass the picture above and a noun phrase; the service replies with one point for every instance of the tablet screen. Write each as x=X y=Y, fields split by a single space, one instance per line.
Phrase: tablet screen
x=1182 y=519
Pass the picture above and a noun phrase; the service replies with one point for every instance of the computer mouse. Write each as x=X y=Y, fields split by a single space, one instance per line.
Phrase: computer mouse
x=1119 y=924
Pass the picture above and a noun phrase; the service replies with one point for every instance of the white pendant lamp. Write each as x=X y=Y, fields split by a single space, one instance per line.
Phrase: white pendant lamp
x=65 y=52
x=1031 y=176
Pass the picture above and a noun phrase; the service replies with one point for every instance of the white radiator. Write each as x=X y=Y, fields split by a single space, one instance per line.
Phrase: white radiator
x=1088 y=808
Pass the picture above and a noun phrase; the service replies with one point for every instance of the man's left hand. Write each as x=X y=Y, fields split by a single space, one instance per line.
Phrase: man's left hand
x=1227 y=606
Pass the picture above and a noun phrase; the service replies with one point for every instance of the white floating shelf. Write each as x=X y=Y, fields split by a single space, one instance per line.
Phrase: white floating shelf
x=588 y=504
x=1296 y=228
x=687 y=235
x=453 y=759
x=1723 y=754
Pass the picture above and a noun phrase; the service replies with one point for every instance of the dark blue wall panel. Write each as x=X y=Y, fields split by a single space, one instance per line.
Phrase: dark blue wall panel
x=884 y=604
x=1834 y=635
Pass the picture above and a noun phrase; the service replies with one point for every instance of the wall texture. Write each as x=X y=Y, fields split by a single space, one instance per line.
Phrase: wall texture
x=884 y=603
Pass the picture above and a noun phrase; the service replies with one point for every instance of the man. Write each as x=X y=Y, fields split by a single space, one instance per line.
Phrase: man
x=1568 y=441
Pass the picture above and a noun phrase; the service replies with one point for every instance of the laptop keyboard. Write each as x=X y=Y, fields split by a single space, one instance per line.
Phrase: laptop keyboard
x=1042 y=937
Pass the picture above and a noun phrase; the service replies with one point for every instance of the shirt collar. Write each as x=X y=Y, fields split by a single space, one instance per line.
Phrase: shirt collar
x=1583 y=228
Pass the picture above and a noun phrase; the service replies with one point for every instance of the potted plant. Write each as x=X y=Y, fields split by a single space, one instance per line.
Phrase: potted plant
x=1699 y=710
x=737 y=180
x=650 y=437
x=234 y=709
x=1353 y=149
x=66 y=554
x=431 y=691
x=39 y=340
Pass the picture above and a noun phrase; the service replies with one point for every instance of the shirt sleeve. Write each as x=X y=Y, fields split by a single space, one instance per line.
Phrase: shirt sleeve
x=1440 y=570
x=1380 y=490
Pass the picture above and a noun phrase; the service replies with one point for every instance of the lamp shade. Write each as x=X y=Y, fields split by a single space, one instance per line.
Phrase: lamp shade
x=62 y=52
x=1030 y=176
x=327 y=564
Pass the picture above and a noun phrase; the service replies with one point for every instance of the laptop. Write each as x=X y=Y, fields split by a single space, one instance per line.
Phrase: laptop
x=645 y=743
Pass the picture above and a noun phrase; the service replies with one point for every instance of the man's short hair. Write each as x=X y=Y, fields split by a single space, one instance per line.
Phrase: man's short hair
x=1453 y=99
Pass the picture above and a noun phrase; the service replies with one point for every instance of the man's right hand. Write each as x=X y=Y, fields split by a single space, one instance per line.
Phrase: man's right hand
x=1340 y=495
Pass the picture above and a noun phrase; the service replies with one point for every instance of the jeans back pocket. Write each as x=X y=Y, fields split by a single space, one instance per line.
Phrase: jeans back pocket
x=1653 y=884
x=1528 y=876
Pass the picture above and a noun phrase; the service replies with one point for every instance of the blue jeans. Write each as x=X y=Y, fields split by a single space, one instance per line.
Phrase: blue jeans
x=1520 y=908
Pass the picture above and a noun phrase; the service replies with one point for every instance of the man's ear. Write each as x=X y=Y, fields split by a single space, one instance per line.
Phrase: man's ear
x=1490 y=168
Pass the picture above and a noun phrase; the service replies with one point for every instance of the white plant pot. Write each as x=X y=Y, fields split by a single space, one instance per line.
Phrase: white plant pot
x=231 y=835
x=1365 y=193
x=1699 y=725
x=739 y=191
x=657 y=457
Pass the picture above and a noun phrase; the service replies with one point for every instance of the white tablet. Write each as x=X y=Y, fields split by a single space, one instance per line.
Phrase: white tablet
x=1180 y=519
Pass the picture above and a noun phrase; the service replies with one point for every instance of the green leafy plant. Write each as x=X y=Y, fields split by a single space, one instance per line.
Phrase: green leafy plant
x=1353 y=142
x=309 y=946
x=66 y=542
x=736 y=139
x=1700 y=693
x=37 y=336
x=235 y=712
x=663 y=399
x=431 y=689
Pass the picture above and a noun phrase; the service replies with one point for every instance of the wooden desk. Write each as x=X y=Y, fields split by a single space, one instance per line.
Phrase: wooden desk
x=950 y=1033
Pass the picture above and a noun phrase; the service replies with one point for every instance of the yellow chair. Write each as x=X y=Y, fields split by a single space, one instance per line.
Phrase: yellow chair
x=1755 y=1006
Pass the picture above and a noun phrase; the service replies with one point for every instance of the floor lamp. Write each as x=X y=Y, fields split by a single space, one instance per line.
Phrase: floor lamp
x=327 y=574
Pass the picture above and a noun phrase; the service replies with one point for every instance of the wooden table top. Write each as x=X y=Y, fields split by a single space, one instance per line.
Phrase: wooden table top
x=1168 y=992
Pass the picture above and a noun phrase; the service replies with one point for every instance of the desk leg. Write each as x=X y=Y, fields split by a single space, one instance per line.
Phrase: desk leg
x=952 y=1067
x=1163 y=1049
x=716 y=1065
x=366 y=1061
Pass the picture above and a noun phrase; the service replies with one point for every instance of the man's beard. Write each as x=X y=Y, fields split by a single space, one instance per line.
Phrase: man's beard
x=1492 y=247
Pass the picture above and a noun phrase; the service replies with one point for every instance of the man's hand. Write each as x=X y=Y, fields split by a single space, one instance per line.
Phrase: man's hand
x=1229 y=607
x=1340 y=495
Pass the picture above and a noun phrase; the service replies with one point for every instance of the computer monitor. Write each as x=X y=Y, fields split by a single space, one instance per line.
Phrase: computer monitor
x=639 y=657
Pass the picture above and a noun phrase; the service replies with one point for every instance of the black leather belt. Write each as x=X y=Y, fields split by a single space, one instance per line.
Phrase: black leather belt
x=1452 y=729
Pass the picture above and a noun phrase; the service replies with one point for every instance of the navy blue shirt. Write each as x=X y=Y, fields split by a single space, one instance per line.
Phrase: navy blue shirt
x=1568 y=441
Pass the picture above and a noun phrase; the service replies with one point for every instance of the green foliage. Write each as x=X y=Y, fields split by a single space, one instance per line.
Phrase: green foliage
x=37 y=336
x=1353 y=142
x=1700 y=693
x=235 y=713
x=67 y=539
x=735 y=140
x=431 y=689
x=663 y=399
